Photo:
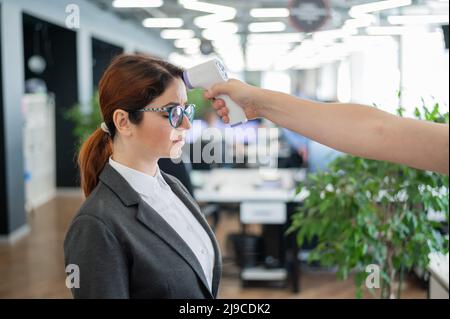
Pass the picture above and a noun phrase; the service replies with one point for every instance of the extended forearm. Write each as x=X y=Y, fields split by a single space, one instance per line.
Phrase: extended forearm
x=362 y=130
x=350 y=128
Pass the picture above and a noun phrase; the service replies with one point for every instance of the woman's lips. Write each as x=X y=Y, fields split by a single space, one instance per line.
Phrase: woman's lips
x=177 y=138
x=178 y=141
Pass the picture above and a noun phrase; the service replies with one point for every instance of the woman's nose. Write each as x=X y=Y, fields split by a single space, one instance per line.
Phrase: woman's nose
x=186 y=124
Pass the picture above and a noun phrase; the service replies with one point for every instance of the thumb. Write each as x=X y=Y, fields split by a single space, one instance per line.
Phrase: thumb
x=216 y=89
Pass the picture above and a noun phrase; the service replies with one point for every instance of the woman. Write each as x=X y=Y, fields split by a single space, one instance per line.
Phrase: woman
x=355 y=129
x=139 y=234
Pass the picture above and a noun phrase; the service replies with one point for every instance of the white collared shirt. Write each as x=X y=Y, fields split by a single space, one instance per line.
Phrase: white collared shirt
x=158 y=195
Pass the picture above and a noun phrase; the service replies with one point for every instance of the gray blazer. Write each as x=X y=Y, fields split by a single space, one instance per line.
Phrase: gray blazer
x=125 y=249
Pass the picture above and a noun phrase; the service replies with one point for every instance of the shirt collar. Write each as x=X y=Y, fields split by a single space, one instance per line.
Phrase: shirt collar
x=144 y=184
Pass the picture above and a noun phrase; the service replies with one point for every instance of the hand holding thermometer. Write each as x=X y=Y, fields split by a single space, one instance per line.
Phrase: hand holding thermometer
x=206 y=75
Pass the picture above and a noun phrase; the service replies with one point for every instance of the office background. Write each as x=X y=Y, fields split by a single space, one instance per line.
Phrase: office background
x=49 y=63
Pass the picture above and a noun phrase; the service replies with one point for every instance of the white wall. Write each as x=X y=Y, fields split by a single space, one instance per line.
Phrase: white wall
x=277 y=81
x=416 y=62
x=375 y=73
x=327 y=82
x=308 y=83
x=425 y=66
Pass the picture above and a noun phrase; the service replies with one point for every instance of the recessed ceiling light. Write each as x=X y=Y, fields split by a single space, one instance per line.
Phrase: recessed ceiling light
x=162 y=23
x=266 y=27
x=270 y=13
x=137 y=3
x=177 y=34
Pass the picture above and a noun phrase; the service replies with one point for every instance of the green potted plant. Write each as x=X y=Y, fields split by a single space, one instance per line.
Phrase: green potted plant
x=86 y=120
x=364 y=212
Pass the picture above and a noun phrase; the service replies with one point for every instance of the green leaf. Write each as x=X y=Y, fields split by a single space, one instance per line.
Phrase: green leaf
x=355 y=226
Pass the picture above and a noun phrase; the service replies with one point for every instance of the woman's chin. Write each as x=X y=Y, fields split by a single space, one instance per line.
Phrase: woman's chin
x=175 y=152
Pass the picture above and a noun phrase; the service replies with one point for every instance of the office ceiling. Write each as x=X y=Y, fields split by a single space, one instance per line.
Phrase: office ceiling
x=338 y=16
x=338 y=13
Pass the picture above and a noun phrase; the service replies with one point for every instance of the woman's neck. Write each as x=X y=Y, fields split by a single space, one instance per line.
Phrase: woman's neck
x=131 y=159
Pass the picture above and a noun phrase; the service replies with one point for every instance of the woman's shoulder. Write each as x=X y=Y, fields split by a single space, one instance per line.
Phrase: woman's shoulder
x=103 y=205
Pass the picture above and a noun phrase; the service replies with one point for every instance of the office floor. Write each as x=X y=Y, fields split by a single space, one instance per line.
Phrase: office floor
x=34 y=266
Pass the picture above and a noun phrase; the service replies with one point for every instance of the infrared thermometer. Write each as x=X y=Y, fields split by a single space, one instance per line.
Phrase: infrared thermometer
x=206 y=75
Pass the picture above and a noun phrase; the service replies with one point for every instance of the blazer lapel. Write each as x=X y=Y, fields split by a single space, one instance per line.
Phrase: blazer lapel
x=185 y=197
x=150 y=218
x=155 y=223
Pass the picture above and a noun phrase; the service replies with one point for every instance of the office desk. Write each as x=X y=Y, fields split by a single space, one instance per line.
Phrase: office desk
x=266 y=197
x=240 y=185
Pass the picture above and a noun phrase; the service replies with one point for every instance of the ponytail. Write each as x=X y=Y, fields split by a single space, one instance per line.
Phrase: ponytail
x=94 y=154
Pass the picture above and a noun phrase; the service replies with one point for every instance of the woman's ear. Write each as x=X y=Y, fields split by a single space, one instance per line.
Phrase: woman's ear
x=122 y=122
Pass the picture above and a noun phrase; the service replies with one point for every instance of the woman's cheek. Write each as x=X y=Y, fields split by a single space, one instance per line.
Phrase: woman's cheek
x=159 y=140
x=166 y=140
